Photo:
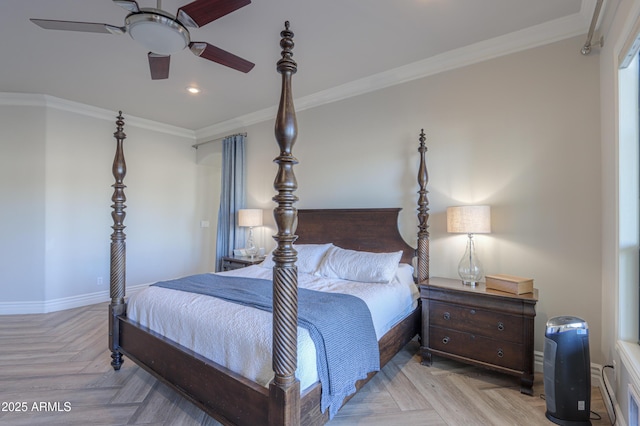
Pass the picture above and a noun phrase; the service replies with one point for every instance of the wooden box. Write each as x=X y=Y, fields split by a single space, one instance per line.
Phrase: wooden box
x=509 y=283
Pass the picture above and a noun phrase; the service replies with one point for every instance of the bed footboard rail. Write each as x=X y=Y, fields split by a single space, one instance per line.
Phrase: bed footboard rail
x=221 y=393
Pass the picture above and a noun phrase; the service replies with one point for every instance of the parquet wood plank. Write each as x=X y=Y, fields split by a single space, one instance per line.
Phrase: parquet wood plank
x=369 y=404
x=516 y=410
x=17 y=331
x=62 y=356
x=479 y=404
x=43 y=370
x=71 y=381
x=78 y=416
x=403 y=392
x=163 y=403
x=35 y=357
x=88 y=397
x=136 y=389
x=28 y=345
x=409 y=418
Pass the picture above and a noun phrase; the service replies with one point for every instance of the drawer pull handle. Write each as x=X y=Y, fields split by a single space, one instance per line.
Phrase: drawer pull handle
x=447 y=316
x=500 y=353
x=445 y=340
x=501 y=326
x=473 y=312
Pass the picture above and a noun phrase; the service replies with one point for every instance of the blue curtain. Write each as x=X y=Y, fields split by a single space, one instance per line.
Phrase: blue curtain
x=232 y=197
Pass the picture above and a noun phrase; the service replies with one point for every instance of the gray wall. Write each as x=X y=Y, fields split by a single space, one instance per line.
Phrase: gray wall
x=22 y=190
x=56 y=189
x=520 y=132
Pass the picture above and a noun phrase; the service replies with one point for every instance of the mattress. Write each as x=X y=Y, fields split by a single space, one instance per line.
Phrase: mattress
x=239 y=337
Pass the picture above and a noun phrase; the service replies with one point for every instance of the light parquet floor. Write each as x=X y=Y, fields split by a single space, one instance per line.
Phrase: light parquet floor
x=57 y=364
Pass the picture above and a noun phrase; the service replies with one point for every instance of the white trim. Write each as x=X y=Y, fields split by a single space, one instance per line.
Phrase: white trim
x=538 y=361
x=54 y=305
x=22 y=99
x=539 y=35
x=629 y=353
x=630 y=46
x=47 y=101
x=632 y=398
x=605 y=385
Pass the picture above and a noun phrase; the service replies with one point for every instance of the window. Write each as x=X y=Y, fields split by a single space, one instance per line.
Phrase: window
x=629 y=195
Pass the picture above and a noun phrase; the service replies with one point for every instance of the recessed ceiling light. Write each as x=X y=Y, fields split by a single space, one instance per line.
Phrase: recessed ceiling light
x=193 y=90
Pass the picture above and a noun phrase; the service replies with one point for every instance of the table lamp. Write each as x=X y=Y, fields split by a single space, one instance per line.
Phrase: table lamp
x=250 y=218
x=469 y=220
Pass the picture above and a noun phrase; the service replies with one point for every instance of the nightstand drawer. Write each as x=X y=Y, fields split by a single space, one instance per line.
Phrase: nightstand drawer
x=478 y=348
x=490 y=324
x=229 y=263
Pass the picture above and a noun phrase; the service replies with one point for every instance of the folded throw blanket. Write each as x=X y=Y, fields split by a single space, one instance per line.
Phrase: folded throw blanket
x=340 y=326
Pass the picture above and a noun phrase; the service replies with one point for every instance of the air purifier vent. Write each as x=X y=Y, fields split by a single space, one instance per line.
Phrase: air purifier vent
x=549 y=366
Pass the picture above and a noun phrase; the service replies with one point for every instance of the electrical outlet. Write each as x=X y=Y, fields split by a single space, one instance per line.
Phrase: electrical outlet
x=99 y=281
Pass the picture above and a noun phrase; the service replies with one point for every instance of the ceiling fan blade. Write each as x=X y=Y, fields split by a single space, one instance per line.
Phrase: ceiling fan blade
x=130 y=5
x=200 y=12
x=159 y=66
x=87 y=27
x=215 y=54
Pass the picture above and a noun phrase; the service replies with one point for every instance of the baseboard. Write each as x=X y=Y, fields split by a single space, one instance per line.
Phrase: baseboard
x=538 y=361
x=54 y=305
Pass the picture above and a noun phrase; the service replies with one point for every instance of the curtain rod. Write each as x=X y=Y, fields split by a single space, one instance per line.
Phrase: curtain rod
x=586 y=49
x=218 y=139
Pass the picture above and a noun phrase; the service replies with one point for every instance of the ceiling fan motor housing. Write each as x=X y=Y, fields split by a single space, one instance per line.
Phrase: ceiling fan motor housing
x=157 y=31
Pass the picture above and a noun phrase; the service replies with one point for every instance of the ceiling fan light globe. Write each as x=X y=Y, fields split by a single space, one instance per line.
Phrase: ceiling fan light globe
x=157 y=33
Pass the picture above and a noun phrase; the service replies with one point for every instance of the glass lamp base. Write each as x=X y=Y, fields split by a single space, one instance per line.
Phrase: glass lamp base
x=251 y=248
x=470 y=269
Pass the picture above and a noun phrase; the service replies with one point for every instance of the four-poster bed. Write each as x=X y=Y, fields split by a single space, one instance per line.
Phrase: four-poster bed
x=228 y=395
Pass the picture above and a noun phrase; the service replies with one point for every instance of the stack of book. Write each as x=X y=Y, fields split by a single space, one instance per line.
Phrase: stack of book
x=509 y=283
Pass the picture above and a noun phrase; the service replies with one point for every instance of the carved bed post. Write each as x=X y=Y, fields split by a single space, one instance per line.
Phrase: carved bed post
x=423 y=214
x=284 y=403
x=118 y=246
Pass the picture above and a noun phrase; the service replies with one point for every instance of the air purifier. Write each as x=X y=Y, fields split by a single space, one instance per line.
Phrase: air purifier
x=567 y=371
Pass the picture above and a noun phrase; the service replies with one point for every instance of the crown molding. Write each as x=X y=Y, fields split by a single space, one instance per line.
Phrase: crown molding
x=539 y=35
x=47 y=101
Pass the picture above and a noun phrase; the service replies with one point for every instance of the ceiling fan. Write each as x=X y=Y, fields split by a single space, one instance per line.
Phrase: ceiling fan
x=163 y=33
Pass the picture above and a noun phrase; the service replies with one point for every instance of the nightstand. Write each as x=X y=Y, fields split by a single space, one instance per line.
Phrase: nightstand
x=233 y=262
x=486 y=328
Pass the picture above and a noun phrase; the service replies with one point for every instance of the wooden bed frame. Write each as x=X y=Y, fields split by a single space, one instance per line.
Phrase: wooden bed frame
x=223 y=394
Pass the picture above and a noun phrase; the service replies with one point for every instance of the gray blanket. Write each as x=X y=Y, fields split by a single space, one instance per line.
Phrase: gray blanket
x=340 y=326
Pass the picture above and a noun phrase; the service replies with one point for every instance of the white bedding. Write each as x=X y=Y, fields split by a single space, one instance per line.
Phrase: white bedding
x=239 y=337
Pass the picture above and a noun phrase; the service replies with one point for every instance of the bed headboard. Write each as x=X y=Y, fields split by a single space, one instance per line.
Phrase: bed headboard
x=374 y=230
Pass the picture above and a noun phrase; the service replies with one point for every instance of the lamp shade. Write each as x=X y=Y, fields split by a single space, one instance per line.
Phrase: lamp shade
x=469 y=219
x=250 y=217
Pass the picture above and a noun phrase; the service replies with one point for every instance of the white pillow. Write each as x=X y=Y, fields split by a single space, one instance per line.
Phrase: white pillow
x=309 y=257
x=404 y=274
x=360 y=266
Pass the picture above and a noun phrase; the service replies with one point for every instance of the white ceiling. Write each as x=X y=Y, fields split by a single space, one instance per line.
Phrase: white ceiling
x=342 y=47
